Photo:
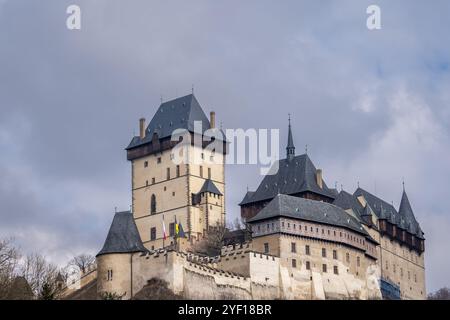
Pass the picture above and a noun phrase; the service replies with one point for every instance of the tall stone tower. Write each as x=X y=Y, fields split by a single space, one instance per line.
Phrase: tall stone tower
x=164 y=191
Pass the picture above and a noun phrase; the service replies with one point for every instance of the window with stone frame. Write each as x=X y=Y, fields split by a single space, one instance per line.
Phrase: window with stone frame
x=153 y=204
x=266 y=247
x=335 y=255
x=293 y=247
x=153 y=233
x=294 y=263
x=308 y=265
x=307 y=250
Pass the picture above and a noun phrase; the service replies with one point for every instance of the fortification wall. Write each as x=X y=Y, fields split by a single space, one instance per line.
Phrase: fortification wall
x=239 y=273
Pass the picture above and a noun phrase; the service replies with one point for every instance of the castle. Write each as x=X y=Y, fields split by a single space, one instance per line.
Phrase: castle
x=308 y=241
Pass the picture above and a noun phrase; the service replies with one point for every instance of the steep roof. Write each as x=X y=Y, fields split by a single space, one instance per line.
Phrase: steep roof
x=293 y=176
x=175 y=114
x=381 y=208
x=123 y=235
x=407 y=214
x=247 y=198
x=209 y=186
x=309 y=210
x=348 y=201
x=404 y=219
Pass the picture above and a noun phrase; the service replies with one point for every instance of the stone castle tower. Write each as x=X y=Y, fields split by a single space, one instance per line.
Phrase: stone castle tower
x=164 y=192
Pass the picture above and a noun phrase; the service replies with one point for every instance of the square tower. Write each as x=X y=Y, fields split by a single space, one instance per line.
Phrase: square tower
x=165 y=191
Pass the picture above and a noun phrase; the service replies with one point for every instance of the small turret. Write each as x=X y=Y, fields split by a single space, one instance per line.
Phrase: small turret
x=290 y=149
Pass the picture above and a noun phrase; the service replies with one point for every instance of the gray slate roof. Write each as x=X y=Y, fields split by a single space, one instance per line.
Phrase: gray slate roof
x=407 y=214
x=309 y=210
x=348 y=201
x=293 y=176
x=404 y=219
x=209 y=186
x=175 y=114
x=123 y=235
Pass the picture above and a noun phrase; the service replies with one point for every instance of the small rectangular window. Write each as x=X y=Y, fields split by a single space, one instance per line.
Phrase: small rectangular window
x=159 y=160
x=308 y=265
x=324 y=268
x=145 y=164
x=293 y=247
x=153 y=233
x=335 y=270
x=294 y=263
x=307 y=251
x=168 y=173
x=335 y=254
x=171 y=229
x=324 y=252
x=266 y=247
x=178 y=170
x=153 y=180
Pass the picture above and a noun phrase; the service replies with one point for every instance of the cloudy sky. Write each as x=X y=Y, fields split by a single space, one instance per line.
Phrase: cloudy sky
x=372 y=106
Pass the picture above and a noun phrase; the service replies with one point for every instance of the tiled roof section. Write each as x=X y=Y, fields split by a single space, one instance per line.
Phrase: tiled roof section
x=367 y=211
x=175 y=114
x=309 y=210
x=384 y=210
x=123 y=235
x=347 y=201
x=209 y=186
x=247 y=198
x=293 y=176
x=407 y=214
x=381 y=208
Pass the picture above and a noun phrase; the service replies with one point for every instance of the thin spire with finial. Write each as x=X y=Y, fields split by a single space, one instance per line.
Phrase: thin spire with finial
x=161 y=98
x=358 y=184
x=306 y=149
x=403 y=183
x=290 y=149
x=192 y=88
x=115 y=209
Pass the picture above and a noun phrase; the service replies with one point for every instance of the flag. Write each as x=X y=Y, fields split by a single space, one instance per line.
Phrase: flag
x=177 y=228
x=164 y=228
x=181 y=231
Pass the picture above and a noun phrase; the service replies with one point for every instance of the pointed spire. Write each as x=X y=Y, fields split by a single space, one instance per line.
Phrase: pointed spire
x=290 y=149
x=407 y=213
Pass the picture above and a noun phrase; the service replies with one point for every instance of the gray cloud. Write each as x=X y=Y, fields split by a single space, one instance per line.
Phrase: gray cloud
x=372 y=106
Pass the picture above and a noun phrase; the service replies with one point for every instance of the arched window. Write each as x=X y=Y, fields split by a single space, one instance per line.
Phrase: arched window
x=153 y=204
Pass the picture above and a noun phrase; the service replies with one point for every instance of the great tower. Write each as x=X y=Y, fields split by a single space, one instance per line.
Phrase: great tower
x=164 y=193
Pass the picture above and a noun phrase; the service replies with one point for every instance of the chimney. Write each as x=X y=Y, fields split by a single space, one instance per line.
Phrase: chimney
x=319 y=178
x=142 y=128
x=212 y=119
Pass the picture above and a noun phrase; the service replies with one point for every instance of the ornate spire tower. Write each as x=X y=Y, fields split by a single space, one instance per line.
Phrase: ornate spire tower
x=290 y=149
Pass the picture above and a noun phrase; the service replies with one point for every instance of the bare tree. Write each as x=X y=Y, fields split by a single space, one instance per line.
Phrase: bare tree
x=213 y=241
x=9 y=257
x=83 y=262
x=41 y=275
x=441 y=294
